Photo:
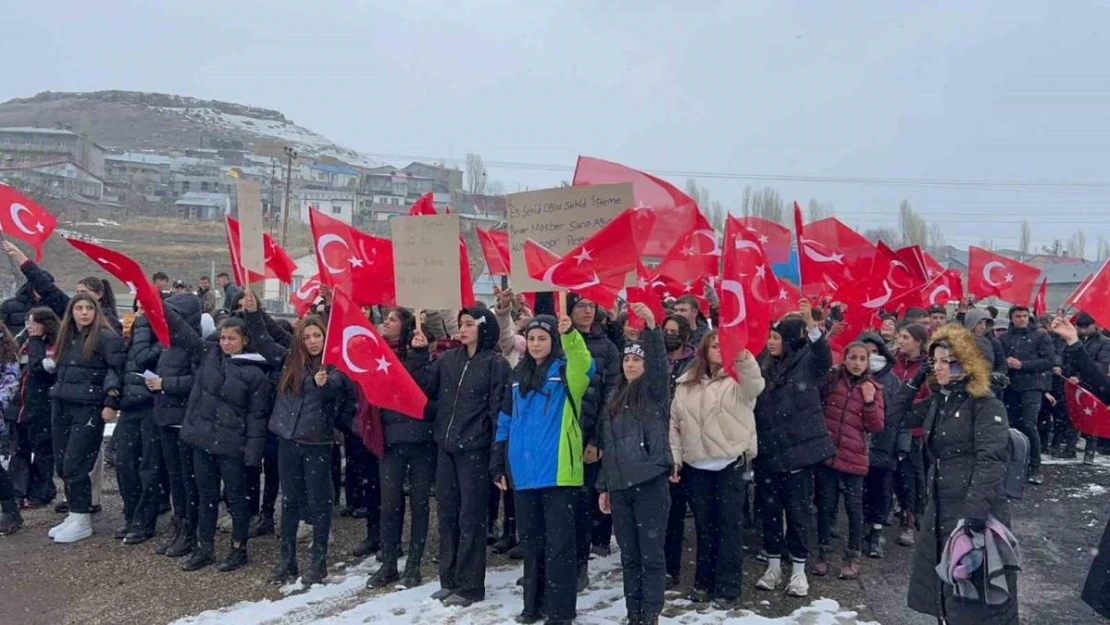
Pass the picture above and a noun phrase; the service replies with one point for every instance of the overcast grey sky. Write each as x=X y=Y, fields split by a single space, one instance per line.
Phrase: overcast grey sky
x=936 y=91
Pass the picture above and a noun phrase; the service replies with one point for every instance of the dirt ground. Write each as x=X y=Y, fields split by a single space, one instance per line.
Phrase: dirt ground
x=102 y=581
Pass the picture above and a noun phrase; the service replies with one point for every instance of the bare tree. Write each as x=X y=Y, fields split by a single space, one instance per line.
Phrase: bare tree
x=699 y=194
x=1103 y=248
x=914 y=231
x=819 y=210
x=1025 y=240
x=987 y=244
x=889 y=236
x=1077 y=245
x=936 y=236
x=475 y=174
x=716 y=215
x=495 y=187
x=765 y=203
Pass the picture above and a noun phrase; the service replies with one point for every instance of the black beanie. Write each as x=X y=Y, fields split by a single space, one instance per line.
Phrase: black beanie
x=793 y=332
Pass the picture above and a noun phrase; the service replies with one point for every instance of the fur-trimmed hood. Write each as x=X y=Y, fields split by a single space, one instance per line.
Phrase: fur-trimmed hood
x=966 y=351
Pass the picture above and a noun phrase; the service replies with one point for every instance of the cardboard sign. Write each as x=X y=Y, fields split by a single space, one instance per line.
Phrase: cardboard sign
x=426 y=261
x=559 y=219
x=252 y=251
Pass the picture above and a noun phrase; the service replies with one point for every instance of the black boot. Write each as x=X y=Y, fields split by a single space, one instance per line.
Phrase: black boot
x=137 y=536
x=186 y=542
x=317 y=569
x=175 y=533
x=286 y=568
x=366 y=548
x=875 y=543
x=411 y=577
x=384 y=576
x=10 y=519
x=508 y=537
x=261 y=525
x=236 y=558
x=202 y=556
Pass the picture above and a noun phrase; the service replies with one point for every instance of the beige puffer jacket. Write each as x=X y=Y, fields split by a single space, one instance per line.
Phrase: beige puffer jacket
x=715 y=419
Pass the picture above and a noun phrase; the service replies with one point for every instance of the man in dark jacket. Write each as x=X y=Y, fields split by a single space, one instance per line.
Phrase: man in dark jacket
x=593 y=528
x=223 y=281
x=688 y=306
x=1097 y=346
x=1030 y=357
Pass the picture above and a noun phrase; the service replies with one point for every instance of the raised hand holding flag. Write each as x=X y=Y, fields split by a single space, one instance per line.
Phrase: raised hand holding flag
x=22 y=218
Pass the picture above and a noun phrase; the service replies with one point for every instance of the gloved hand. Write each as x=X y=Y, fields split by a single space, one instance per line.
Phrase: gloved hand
x=978 y=526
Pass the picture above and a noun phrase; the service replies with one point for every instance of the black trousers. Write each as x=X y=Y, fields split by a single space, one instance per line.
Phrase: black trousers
x=1024 y=409
x=78 y=431
x=210 y=471
x=878 y=491
x=7 y=494
x=306 y=493
x=547 y=540
x=415 y=462
x=151 y=469
x=676 y=530
x=178 y=456
x=910 y=479
x=129 y=455
x=462 y=494
x=263 y=482
x=592 y=527
x=717 y=499
x=32 y=463
x=502 y=505
x=790 y=494
x=830 y=483
x=356 y=482
x=639 y=521
x=372 y=487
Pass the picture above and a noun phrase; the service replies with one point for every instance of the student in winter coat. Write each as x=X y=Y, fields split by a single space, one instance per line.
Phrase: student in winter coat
x=713 y=438
x=512 y=347
x=884 y=449
x=171 y=388
x=469 y=384
x=14 y=310
x=225 y=424
x=635 y=466
x=853 y=404
x=680 y=355
x=539 y=448
x=410 y=453
x=50 y=295
x=967 y=441
x=138 y=448
x=88 y=361
x=793 y=440
x=1030 y=356
x=10 y=520
x=28 y=414
x=304 y=419
x=910 y=474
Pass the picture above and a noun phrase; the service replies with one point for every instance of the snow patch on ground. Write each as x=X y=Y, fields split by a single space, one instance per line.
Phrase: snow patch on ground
x=345 y=601
x=99 y=223
x=1090 y=490
x=70 y=234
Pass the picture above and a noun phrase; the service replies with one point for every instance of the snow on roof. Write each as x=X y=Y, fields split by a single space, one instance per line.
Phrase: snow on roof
x=36 y=130
x=199 y=198
x=333 y=169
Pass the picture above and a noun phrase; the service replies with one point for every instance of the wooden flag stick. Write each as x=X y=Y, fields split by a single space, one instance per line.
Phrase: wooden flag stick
x=563 y=303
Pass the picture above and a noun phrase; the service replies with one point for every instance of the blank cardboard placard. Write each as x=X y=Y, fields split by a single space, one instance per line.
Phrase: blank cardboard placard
x=252 y=251
x=559 y=219
x=426 y=261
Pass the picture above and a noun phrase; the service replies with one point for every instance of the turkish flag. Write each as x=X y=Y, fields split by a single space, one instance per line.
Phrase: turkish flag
x=1070 y=301
x=773 y=236
x=303 y=297
x=676 y=213
x=353 y=261
x=745 y=291
x=913 y=261
x=426 y=206
x=947 y=287
x=130 y=273
x=1094 y=298
x=695 y=255
x=1040 y=302
x=990 y=274
x=787 y=301
x=1090 y=416
x=546 y=266
x=356 y=348
x=278 y=263
x=22 y=218
x=830 y=255
x=932 y=267
x=640 y=295
x=495 y=248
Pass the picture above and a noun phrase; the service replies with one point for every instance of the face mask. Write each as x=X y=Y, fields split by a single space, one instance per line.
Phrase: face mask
x=672 y=342
x=877 y=362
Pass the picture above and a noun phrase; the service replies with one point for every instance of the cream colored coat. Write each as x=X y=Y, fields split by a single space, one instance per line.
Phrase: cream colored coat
x=715 y=419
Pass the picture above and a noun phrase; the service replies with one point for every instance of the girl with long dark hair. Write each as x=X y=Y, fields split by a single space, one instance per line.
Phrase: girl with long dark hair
x=88 y=361
x=10 y=520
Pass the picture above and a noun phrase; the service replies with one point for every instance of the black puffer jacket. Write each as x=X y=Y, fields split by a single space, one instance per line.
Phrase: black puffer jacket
x=32 y=401
x=50 y=295
x=607 y=362
x=231 y=399
x=789 y=418
x=13 y=311
x=883 y=444
x=1033 y=347
x=309 y=416
x=636 y=442
x=142 y=355
x=176 y=365
x=1098 y=348
x=470 y=390
x=398 y=428
x=90 y=380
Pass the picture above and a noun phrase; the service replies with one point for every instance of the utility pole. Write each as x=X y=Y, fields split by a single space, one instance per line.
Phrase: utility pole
x=290 y=155
x=272 y=213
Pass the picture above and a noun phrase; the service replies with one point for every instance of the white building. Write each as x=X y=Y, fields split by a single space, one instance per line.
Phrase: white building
x=337 y=204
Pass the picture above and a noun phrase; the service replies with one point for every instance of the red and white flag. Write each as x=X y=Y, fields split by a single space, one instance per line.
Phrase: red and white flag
x=1090 y=416
x=830 y=255
x=353 y=261
x=495 y=248
x=278 y=263
x=304 y=296
x=773 y=236
x=993 y=275
x=22 y=218
x=1093 y=296
x=745 y=291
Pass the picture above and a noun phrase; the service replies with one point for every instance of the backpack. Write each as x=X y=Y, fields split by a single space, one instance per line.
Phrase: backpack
x=1017 y=466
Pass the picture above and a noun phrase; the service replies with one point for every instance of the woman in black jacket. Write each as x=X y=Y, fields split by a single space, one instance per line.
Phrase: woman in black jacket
x=303 y=419
x=225 y=424
x=10 y=520
x=878 y=486
x=635 y=466
x=138 y=450
x=88 y=360
x=28 y=412
x=171 y=387
x=409 y=451
x=790 y=424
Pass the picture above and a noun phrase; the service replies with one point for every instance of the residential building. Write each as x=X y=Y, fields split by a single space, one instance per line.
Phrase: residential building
x=337 y=204
x=322 y=176
x=196 y=205
x=444 y=179
x=64 y=180
x=1064 y=278
x=22 y=145
x=493 y=206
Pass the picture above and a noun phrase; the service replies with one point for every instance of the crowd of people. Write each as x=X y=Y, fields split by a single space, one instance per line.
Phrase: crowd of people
x=547 y=433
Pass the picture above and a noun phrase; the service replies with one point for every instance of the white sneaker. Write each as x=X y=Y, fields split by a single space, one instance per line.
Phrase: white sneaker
x=771 y=578
x=798 y=586
x=79 y=529
x=59 y=527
